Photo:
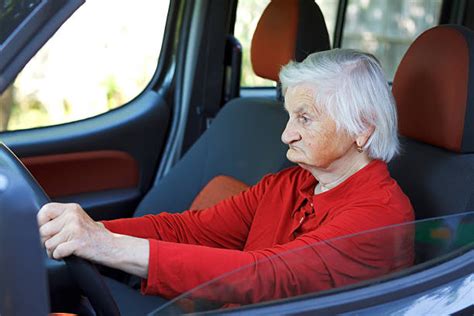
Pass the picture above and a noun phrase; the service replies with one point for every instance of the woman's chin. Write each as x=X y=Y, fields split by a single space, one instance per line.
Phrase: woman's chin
x=300 y=160
x=292 y=156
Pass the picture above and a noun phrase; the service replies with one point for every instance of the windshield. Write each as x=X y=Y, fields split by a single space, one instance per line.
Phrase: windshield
x=407 y=248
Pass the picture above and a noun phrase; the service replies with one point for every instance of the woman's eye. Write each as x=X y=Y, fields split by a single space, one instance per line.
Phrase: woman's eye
x=303 y=119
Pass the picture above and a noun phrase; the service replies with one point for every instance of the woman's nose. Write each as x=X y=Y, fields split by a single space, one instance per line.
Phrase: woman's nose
x=290 y=134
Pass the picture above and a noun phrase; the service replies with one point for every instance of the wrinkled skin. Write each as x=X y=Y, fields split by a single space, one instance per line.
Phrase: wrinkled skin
x=313 y=140
x=66 y=229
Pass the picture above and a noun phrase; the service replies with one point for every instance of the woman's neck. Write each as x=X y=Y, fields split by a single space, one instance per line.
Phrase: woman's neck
x=339 y=171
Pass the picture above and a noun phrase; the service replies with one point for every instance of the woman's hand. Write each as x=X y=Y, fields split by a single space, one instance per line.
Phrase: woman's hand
x=66 y=229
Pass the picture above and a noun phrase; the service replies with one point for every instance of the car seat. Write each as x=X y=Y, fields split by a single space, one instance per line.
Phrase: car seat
x=434 y=91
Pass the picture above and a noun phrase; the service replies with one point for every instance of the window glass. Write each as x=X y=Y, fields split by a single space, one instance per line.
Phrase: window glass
x=348 y=260
x=369 y=28
x=100 y=59
x=248 y=15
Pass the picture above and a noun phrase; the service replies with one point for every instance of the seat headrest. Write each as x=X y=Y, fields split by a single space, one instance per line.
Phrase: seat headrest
x=288 y=30
x=434 y=89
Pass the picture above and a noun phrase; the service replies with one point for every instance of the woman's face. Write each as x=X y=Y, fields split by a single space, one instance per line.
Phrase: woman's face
x=311 y=134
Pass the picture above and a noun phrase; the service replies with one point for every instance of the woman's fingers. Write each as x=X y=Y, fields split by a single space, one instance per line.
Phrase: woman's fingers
x=58 y=224
x=65 y=249
x=51 y=228
x=48 y=212
x=53 y=242
x=66 y=229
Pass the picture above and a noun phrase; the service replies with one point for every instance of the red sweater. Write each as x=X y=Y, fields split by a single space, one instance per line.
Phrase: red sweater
x=276 y=235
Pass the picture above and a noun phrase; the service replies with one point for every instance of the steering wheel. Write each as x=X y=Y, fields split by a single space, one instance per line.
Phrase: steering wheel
x=86 y=275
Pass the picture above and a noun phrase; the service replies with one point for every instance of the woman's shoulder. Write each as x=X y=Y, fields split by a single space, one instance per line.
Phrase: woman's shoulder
x=379 y=194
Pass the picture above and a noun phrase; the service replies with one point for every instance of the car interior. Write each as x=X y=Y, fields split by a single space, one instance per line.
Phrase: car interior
x=242 y=143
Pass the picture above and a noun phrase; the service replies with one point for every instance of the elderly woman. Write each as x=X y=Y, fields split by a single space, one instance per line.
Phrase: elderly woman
x=341 y=132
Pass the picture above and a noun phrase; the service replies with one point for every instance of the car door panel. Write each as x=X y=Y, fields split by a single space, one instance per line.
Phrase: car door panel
x=90 y=171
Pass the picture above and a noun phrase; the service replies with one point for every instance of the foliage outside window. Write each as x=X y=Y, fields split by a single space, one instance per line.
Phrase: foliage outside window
x=100 y=59
x=248 y=15
x=386 y=28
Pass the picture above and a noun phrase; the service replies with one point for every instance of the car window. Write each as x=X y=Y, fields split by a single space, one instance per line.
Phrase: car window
x=100 y=59
x=248 y=15
x=362 y=258
x=387 y=36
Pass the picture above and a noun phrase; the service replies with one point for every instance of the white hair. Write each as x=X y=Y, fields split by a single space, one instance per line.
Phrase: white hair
x=351 y=87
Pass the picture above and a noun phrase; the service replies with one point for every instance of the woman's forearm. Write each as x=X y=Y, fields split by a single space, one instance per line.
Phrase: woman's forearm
x=129 y=254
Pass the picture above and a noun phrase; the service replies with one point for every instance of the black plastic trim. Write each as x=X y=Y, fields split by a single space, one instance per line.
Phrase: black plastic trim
x=57 y=12
x=163 y=78
x=340 y=20
x=453 y=11
x=185 y=12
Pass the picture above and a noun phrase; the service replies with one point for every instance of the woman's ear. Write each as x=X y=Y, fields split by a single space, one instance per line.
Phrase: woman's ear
x=362 y=138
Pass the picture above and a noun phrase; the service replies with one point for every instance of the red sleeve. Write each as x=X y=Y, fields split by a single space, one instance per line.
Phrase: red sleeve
x=225 y=225
x=306 y=264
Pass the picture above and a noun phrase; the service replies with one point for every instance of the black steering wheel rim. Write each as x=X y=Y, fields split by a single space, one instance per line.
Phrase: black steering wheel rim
x=86 y=275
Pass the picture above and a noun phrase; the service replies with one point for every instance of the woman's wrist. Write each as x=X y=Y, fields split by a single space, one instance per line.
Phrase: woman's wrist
x=128 y=253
